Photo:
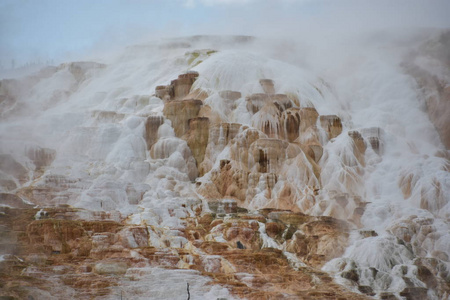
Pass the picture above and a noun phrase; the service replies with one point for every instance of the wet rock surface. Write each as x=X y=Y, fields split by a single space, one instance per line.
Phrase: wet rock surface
x=99 y=257
x=240 y=177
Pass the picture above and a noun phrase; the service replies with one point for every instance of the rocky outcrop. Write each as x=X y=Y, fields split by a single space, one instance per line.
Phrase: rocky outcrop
x=255 y=102
x=249 y=158
x=374 y=137
x=268 y=155
x=359 y=146
x=219 y=137
x=257 y=156
x=251 y=154
x=318 y=249
x=182 y=85
x=291 y=124
x=41 y=157
x=164 y=92
x=178 y=89
x=240 y=251
x=197 y=138
x=151 y=129
x=282 y=101
x=332 y=125
x=267 y=86
x=269 y=114
x=308 y=117
x=179 y=112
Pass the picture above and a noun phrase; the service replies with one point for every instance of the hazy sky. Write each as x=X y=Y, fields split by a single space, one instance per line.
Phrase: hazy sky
x=57 y=29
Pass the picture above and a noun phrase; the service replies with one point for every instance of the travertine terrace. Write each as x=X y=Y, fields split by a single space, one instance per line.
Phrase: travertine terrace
x=225 y=173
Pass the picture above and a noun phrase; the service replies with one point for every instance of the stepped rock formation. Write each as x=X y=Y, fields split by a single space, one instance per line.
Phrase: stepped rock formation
x=151 y=130
x=88 y=258
x=197 y=137
x=242 y=178
x=332 y=125
x=180 y=112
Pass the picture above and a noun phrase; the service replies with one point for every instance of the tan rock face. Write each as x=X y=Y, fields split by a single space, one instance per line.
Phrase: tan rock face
x=151 y=130
x=164 y=92
x=178 y=88
x=291 y=122
x=92 y=257
x=180 y=112
x=134 y=237
x=374 y=137
x=416 y=232
x=226 y=182
x=240 y=146
x=256 y=101
x=222 y=134
x=253 y=158
x=313 y=150
x=267 y=119
x=190 y=121
x=308 y=117
x=324 y=235
x=315 y=239
x=66 y=236
x=268 y=155
x=332 y=125
x=207 y=112
x=282 y=101
x=219 y=137
x=331 y=243
x=41 y=157
x=197 y=138
x=182 y=85
x=244 y=234
x=256 y=156
x=267 y=85
x=359 y=147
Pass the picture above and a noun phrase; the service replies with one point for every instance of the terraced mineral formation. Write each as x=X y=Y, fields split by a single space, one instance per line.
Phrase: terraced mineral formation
x=242 y=178
x=59 y=249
